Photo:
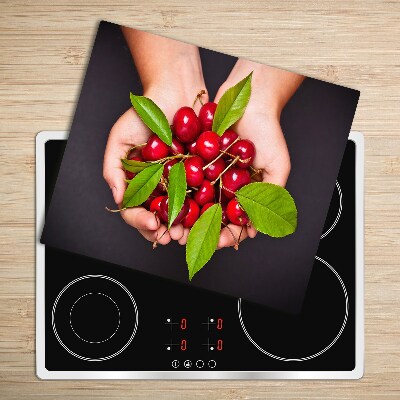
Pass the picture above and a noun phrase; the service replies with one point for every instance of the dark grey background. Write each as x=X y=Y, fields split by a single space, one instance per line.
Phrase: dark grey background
x=272 y=272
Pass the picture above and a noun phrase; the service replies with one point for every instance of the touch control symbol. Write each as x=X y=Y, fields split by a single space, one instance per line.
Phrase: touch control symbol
x=212 y=364
x=187 y=364
x=175 y=364
x=199 y=363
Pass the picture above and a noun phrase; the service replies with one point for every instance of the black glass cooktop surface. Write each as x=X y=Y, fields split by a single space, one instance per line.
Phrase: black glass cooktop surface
x=104 y=317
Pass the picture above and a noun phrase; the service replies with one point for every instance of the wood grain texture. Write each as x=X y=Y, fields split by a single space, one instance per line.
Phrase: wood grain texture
x=44 y=49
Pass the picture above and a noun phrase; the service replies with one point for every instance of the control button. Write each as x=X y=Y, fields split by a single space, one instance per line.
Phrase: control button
x=199 y=363
x=212 y=364
x=175 y=364
x=187 y=364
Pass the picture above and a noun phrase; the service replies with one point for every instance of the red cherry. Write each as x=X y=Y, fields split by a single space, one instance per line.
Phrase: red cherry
x=182 y=214
x=192 y=215
x=155 y=205
x=234 y=179
x=192 y=148
x=161 y=188
x=177 y=147
x=167 y=167
x=164 y=211
x=206 y=207
x=186 y=125
x=134 y=156
x=245 y=150
x=235 y=214
x=206 y=116
x=227 y=138
x=194 y=171
x=155 y=193
x=155 y=149
x=213 y=171
x=129 y=174
x=205 y=193
x=208 y=145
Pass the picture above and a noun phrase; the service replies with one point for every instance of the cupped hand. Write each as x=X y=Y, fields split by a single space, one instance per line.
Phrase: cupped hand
x=260 y=124
x=128 y=131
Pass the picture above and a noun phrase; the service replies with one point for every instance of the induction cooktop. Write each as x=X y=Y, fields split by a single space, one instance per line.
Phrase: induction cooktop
x=96 y=320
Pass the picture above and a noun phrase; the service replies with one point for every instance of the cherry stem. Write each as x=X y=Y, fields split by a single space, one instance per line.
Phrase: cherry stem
x=134 y=148
x=163 y=234
x=226 y=169
x=236 y=246
x=240 y=234
x=166 y=159
x=255 y=170
x=243 y=161
x=158 y=239
x=163 y=183
x=228 y=154
x=116 y=211
x=229 y=190
x=198 y=97
x=155 y=242
x=253 y=177
x=222 y=152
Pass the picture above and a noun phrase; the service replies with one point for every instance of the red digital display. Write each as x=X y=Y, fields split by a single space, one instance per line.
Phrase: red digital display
x=219 y=323
x=183 y=323
x=183 y=345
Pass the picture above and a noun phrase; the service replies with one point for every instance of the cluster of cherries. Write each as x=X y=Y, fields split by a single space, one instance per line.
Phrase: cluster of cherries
x=216 y=167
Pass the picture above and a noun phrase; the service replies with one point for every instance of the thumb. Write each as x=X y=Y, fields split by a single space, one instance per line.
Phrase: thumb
x=113 y=173
x=115 y=180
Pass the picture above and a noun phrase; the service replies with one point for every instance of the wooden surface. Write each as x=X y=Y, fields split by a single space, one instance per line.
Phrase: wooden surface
x=44 y=49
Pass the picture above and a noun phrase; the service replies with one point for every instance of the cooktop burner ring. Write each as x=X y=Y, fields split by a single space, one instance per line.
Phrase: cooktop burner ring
x=279 y=358
x=338 y=214
x=128 y=333
x=95 y=341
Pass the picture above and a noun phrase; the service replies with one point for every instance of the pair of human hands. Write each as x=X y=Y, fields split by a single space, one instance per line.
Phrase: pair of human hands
x=260 y=124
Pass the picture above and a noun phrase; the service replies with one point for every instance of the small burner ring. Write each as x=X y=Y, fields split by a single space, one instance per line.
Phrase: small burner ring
x=95 y=341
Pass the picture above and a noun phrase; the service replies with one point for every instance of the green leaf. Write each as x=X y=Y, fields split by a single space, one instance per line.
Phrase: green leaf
x=203 y=239
x=141 y=186
x=232 y=105
x=270 y=207
x=134 y=165
x=153 y=117
x=176 y=191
